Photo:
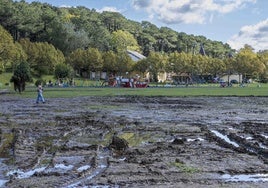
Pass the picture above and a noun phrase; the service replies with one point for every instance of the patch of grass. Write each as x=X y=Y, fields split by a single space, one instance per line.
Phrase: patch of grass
x=7 y=141
x=45 y=162
x=191 y=91
x=135 y=139
x=184 y=168
x=5 y=80
x=46 y=143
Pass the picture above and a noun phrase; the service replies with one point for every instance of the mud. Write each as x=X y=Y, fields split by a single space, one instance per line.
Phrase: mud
x=165 y=142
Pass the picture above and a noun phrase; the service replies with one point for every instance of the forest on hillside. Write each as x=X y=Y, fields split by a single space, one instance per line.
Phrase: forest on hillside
x=85 y=40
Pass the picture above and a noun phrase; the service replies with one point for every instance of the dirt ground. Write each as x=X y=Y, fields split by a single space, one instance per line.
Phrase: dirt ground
x=134 y=141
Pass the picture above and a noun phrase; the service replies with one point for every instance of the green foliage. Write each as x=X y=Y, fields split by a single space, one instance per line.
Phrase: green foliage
x=63 y=71
x=39 y=82
x=141 y=66
x=179 y=62
x=22 y=74
x=6 y=143
x=248 y=63
x=124 y=63
x=123 y=40
x=67 y=38
x=5 y=79
x=10 y=52
x=110 y=62
x=45 y=33
x=42 y=57
x=156 y=63
x=85 y=61
x=184 y=168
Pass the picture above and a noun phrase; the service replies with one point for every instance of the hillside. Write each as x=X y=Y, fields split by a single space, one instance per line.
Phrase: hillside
x=71 y=28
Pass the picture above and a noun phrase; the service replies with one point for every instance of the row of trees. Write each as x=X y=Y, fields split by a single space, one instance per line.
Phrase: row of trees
x=68 y=29
x=55 y=40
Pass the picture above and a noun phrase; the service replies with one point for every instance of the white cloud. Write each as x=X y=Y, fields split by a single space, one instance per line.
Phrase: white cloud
x=109 y=9
x=65 y=6
x=188 y=11
x=254 y=35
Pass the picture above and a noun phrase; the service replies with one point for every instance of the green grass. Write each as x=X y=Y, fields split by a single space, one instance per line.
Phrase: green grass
x=192 y=90
x=4 y=80
x=210 y=90
x=184 y=168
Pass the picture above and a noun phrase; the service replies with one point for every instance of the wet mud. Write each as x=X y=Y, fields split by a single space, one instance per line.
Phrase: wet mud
x=130 y=141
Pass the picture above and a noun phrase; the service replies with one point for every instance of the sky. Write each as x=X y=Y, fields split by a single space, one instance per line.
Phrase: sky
x=236 y=22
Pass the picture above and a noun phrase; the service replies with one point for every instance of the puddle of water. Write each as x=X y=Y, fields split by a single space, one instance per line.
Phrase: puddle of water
x=3 y=182
x=246 y=178
x=102 y=158
x=224 y=137
x=64 y=167
x=265 y=136
x=94 y=174
x=83 y=168
x=3 y=167
x=262 y=146
x=195 y=139
x=102 y=186
x=21 y=175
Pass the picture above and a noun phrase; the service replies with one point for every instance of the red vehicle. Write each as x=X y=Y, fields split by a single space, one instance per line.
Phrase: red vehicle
x=132 y=83
x=125 y=82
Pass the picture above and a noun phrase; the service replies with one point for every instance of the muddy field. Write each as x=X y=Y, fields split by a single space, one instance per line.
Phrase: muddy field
x=134 y=142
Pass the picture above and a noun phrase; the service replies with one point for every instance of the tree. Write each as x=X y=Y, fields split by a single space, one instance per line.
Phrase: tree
x=110 y=62
x=141 y=66
x=91 y=22
x=263 y=56
x=10 y=51
x=124 y=63
x=86 y=60
x=22 y=74
x=248 y=64
x=67 y=38
x=62 y=71
x=157 y=63
x=168 y=39
x=179 y=63
x=76 y=60
x=123 y=40
x=42 y=57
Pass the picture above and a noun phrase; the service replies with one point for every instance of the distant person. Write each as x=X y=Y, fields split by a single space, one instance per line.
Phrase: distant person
x=40 y=94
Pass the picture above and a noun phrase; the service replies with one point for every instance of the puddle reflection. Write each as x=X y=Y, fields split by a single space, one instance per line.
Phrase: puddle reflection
x=246 y=177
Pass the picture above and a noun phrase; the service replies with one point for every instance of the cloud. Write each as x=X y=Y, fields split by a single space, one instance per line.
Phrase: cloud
x=188 y=11
x=254 y=35
x=109 y=9
x=65 y=6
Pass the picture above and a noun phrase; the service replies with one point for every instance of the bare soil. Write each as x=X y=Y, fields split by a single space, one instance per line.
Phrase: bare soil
x=157 y=142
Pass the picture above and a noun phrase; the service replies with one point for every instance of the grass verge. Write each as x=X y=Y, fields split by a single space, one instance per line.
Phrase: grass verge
x=68 y=92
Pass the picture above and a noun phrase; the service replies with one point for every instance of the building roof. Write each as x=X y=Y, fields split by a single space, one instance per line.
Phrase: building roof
x=135 y=56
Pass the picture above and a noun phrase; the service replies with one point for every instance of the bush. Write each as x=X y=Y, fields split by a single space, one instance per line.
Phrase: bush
x=40 y=82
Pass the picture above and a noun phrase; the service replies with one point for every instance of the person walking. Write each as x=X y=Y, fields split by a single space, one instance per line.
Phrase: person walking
x=40 y=94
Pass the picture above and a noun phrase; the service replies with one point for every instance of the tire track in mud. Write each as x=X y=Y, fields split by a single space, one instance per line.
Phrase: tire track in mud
x=98 y=165
x=250 y=142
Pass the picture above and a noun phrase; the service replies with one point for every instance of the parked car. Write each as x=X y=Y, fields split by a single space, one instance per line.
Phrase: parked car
x=234 y=82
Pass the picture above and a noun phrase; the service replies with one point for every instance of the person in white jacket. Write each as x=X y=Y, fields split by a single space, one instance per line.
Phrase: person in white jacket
x=40 y=94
